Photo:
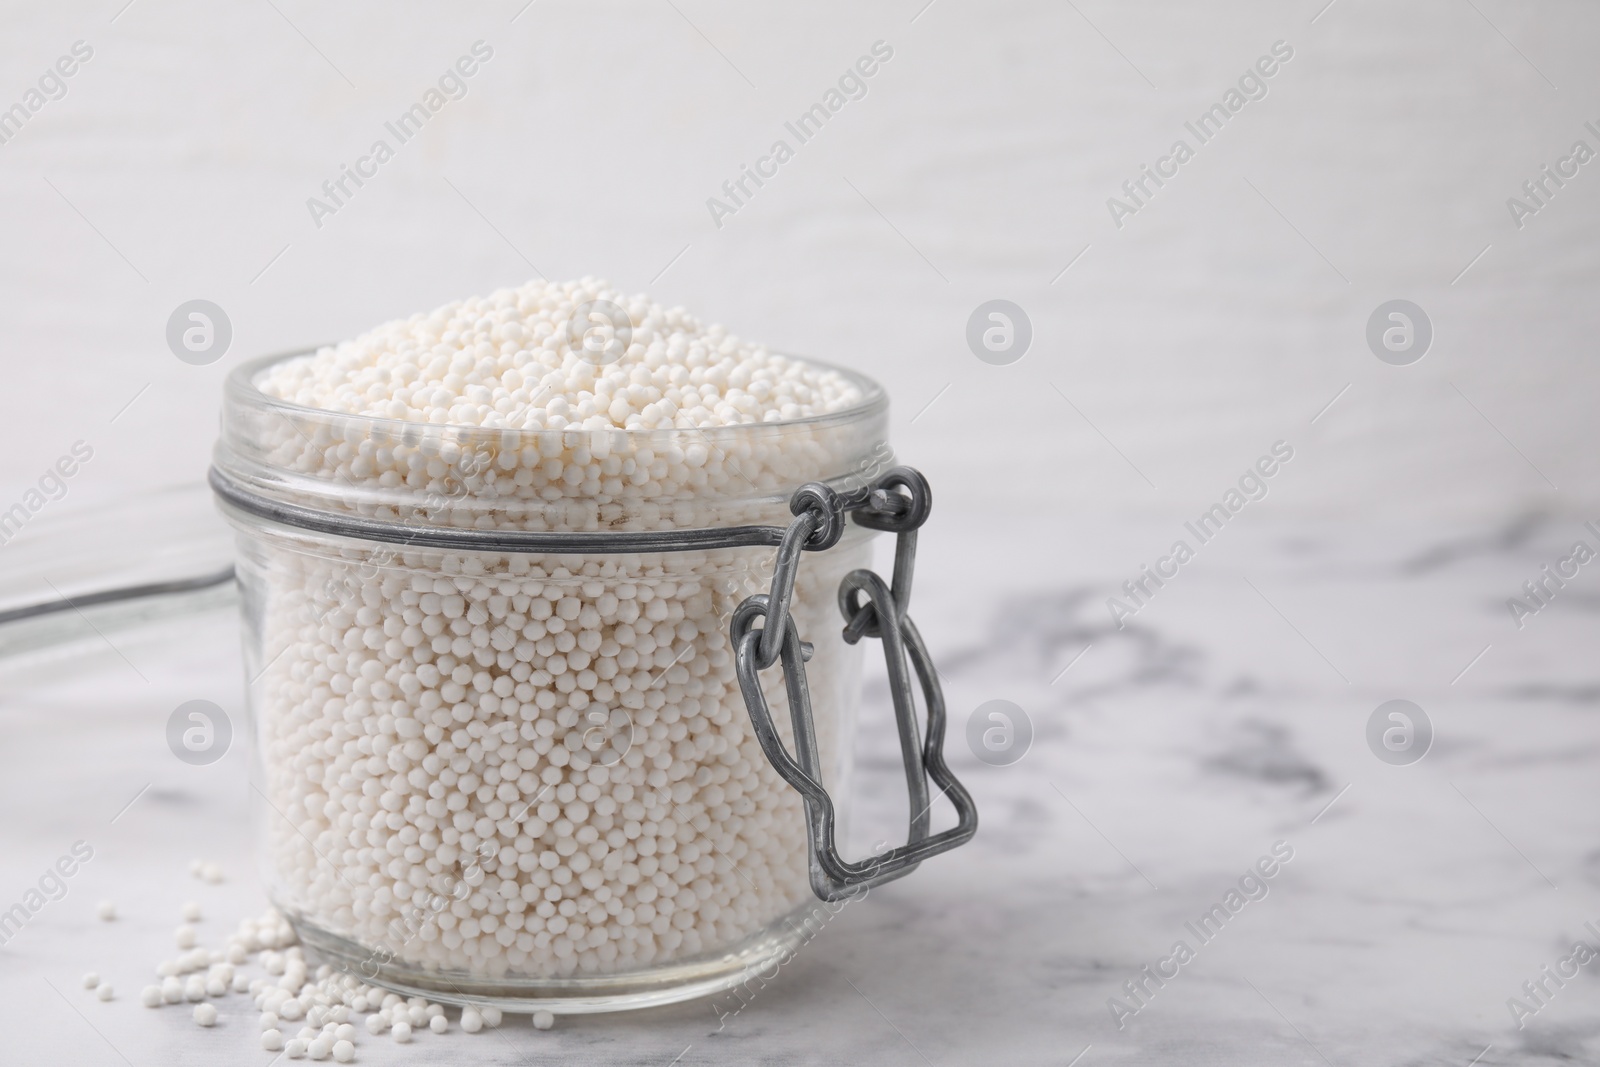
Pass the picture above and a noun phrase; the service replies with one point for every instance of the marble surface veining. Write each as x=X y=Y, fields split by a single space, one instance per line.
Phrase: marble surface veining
x=1169 y=757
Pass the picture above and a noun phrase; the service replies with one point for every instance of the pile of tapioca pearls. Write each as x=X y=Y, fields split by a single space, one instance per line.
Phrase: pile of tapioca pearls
x=303 y=1013
x=508 y=362
x=516 y=359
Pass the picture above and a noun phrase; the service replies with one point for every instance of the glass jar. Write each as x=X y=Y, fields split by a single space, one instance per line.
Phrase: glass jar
x=530 y=779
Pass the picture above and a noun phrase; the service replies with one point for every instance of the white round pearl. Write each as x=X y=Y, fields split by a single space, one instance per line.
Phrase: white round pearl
x=541 y=765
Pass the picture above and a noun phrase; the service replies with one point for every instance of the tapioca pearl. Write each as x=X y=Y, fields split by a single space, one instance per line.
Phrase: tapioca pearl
x=476 y=950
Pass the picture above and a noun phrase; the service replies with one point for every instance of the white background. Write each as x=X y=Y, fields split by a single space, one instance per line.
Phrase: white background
x=1202 y=331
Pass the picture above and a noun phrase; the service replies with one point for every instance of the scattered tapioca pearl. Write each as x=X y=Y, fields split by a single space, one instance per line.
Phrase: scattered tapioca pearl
x=191 y=911
x=321 y=1047
x=471 y=1021
x=344 y=1051
x=215 y=986
x=345 y=1032
x=104 y=991
x=377 y=1024
x=491 y=1016
x=172 y=990
x=269 y=1020
x=205 y=1014
x=439 y=1024
x=401 y=1033
x=194 y=988
x=543 y=1020
x=185 y=936
x=295 y=1048
x=271 y=1040
x=150 y=996
x=91 y=980
x=106 y=910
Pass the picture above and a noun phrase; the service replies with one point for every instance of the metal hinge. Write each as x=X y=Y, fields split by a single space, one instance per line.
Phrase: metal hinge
x=898 y=502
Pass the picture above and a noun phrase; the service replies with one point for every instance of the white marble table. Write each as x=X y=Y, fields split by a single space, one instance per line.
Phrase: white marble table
x=1171 y=755
x=1167 y=760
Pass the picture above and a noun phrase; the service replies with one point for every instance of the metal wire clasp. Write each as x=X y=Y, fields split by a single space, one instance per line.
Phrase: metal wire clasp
x=898 y=502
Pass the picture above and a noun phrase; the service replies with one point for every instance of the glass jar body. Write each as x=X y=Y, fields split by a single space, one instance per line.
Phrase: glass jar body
x=528 y=779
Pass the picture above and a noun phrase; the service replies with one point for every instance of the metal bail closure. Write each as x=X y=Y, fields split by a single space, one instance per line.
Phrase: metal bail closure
x=879 y=615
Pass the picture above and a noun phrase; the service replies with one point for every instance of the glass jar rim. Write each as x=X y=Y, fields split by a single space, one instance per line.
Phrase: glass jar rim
x=241 y=387
x=279 y=450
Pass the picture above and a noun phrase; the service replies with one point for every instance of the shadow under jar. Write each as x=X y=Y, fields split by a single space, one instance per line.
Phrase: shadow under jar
x=502 y=752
